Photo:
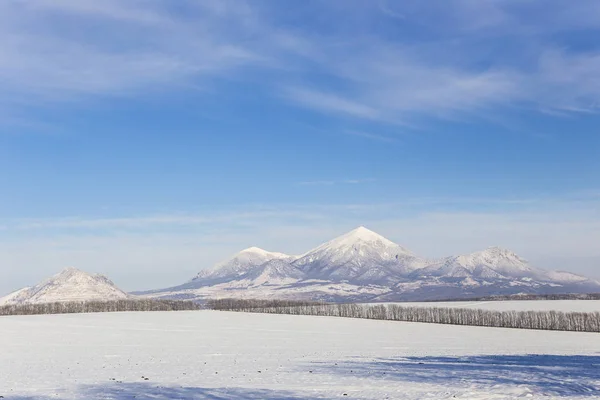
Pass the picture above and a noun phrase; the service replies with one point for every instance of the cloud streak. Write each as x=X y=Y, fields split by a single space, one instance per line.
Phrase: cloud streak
x=59 y=49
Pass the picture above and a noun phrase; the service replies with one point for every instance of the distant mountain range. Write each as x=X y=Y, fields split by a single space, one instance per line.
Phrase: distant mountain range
x=357 y=266
x=364 y=266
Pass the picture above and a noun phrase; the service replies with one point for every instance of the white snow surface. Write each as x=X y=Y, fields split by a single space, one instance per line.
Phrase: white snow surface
x=69 y=285
x=219 y=355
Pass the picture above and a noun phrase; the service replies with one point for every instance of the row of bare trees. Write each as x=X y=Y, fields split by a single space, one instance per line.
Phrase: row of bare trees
x=532 y=296
x=545 y=320
x=98 y=306
x=251 y=304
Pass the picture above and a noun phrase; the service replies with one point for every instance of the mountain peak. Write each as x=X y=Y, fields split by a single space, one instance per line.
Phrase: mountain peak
x=363 y=233
x=76 y=275
x=71 y=284
x=360 y=235
x=241 y=263
x=502 y=261
x=356 y=253
x=255 y=250
x=497 y=249
x=71 y=271
x=499 y=252
x=258 y=253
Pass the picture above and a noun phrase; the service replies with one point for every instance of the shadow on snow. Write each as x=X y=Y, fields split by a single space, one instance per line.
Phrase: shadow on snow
x=553 y=375
x=147 y=391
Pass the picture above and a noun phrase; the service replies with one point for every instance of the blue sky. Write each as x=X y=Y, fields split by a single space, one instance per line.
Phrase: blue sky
x=149 y=139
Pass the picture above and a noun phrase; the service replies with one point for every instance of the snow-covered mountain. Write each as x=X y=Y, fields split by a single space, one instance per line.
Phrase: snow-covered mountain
x=240 y=264
x=362 y=265
x=492 y=263
x=357 y=266
x=69 y=285
x=360 y=255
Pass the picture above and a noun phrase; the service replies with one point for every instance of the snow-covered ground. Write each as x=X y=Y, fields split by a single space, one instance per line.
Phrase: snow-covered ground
x=515 y=305
x=220 y=355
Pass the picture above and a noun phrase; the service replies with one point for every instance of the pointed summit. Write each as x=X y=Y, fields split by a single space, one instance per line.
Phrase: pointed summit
x=253 y=249
x=360 y=253
x=363 y=239
x=361 y=235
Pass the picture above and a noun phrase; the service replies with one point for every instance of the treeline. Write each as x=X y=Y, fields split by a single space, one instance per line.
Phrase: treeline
x=252 y=304
x=528 y=296
x=544 y=320
x=75 y=307
x=563 y=296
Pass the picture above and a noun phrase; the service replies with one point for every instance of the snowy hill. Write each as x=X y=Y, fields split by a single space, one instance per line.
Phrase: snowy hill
x=364 y=266
x=69 y=285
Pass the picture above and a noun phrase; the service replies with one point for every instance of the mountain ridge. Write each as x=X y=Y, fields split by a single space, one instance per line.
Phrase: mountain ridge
x=359 y=265
x=362 y=265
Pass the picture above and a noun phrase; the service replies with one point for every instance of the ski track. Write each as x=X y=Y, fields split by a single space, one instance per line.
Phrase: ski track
x=219 y=355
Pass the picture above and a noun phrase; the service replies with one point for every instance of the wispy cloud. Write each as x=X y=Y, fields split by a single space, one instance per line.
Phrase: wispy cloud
x=330 y=102
x=388 y=84
x=168 y=221
x=119 y=47
x=59 y=49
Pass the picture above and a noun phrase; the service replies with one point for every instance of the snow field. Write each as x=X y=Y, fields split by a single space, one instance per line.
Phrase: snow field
x=221 y=355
